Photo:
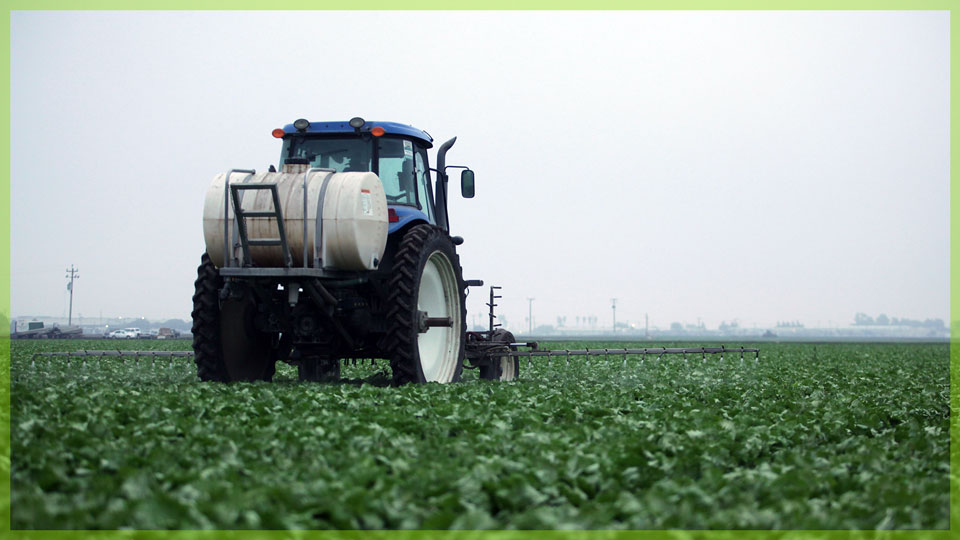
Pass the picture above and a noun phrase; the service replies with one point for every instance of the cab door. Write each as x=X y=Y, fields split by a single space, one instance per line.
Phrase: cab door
x=421 y=171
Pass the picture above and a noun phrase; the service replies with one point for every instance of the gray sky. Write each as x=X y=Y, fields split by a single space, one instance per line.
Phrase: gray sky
x=728 y=166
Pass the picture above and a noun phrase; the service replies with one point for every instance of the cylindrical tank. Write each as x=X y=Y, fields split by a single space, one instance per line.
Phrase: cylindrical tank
x=353 y=210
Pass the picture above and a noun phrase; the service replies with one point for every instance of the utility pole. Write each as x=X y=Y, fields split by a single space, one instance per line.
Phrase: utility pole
x=646 y=326
x=72 y=274
x=530 y=314
x=614 y=307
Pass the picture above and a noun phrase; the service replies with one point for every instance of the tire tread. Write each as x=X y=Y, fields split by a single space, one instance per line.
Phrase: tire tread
x=402 y=302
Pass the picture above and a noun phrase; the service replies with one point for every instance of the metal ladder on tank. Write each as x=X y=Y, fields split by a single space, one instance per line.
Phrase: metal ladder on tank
x=241 y=216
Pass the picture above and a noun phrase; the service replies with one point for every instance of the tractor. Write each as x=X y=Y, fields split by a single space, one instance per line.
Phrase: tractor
x=342 y=252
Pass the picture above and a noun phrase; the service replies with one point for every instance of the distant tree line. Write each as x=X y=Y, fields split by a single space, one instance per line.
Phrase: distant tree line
x=789 y=324
x=680 y=327
x=862 y=319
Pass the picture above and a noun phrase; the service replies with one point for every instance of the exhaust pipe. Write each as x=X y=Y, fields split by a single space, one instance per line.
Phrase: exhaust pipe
x=443 y=219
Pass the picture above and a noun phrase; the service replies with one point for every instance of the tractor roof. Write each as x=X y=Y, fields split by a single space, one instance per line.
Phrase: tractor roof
x=391 y=128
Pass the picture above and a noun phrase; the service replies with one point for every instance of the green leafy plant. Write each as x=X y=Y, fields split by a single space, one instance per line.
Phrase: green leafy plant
x=825 y=436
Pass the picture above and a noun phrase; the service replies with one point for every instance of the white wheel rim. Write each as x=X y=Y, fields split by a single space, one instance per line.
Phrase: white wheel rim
x=439 y=346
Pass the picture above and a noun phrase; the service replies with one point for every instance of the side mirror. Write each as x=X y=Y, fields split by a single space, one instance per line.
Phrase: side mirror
x=466 y=184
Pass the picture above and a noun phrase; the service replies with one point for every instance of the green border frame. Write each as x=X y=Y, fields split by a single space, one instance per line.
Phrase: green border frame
x=488 y=5
x=5 y=286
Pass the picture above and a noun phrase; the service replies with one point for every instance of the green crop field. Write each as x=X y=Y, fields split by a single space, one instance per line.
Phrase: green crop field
x=824 y=436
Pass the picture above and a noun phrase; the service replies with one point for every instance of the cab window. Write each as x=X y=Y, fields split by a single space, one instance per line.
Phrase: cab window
x=341 y=155
x=396 y=171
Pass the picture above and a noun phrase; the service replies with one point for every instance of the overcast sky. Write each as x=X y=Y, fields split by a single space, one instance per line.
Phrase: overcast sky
x=724 y=166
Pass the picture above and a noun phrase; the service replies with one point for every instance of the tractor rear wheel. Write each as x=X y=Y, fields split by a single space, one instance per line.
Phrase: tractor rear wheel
x=226 y=347
x=504 y=368
x=427 y=309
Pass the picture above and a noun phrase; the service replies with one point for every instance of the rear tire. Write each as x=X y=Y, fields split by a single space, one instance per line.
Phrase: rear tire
x=426 y=277
x=504 y=368
x=249 y=351
x=207 y=353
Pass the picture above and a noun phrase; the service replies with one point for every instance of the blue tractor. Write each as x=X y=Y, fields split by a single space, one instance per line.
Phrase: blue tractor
x=342 y=252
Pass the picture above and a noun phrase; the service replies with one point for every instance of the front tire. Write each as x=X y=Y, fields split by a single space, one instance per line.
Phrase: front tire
x=426 y=282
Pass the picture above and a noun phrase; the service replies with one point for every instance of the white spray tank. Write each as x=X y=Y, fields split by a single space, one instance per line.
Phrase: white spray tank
x=353 y=219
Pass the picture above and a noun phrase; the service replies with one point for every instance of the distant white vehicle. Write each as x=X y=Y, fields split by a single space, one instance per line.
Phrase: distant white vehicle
x=126 y=333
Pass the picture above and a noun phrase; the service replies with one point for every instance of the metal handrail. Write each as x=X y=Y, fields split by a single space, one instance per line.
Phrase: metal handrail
x=226 y=211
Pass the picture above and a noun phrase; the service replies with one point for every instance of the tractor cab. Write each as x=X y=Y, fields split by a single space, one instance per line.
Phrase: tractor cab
x=396 y=153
